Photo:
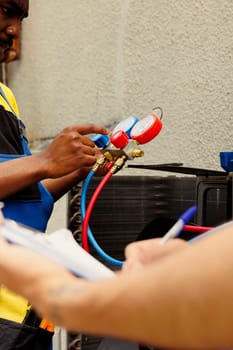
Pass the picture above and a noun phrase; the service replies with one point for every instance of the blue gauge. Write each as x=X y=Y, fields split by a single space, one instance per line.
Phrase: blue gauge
x=126 y=125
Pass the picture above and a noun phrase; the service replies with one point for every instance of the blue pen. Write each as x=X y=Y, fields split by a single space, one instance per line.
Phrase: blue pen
x=179 y=225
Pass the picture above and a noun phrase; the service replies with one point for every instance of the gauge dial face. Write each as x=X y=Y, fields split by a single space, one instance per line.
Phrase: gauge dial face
x=143 y=125
x=146 y=129
x=126 y=125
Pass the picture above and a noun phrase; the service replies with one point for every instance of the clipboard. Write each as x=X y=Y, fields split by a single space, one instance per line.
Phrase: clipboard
x=59 y=246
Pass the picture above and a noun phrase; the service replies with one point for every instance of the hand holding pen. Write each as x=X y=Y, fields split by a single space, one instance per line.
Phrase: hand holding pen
x=176 y=229
x=142 y=253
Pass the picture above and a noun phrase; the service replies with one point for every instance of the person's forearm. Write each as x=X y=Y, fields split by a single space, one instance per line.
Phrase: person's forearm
x=19 y=173
x=182 y=302
x=59 y=187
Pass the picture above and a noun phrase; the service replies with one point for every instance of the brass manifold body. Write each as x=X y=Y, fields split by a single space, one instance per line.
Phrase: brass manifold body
x=117 y=158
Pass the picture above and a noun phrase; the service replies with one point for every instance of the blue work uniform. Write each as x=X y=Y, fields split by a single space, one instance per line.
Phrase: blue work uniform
x=32 y=206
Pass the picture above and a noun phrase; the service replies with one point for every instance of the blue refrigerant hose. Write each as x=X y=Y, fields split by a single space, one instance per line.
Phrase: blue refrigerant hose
x=91 y=238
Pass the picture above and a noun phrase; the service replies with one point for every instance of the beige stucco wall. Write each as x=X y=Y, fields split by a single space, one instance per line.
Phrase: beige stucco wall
x=102 y=60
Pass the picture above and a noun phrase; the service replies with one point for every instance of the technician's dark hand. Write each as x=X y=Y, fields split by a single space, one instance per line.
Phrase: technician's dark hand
x=71 y=151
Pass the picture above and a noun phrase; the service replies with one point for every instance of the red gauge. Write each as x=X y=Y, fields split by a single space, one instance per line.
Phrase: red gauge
x=146 y=129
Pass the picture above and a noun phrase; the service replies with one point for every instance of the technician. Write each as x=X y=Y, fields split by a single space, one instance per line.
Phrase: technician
x=29 y=184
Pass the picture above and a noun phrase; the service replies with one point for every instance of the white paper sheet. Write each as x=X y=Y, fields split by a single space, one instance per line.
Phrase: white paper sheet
x=59 y=246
